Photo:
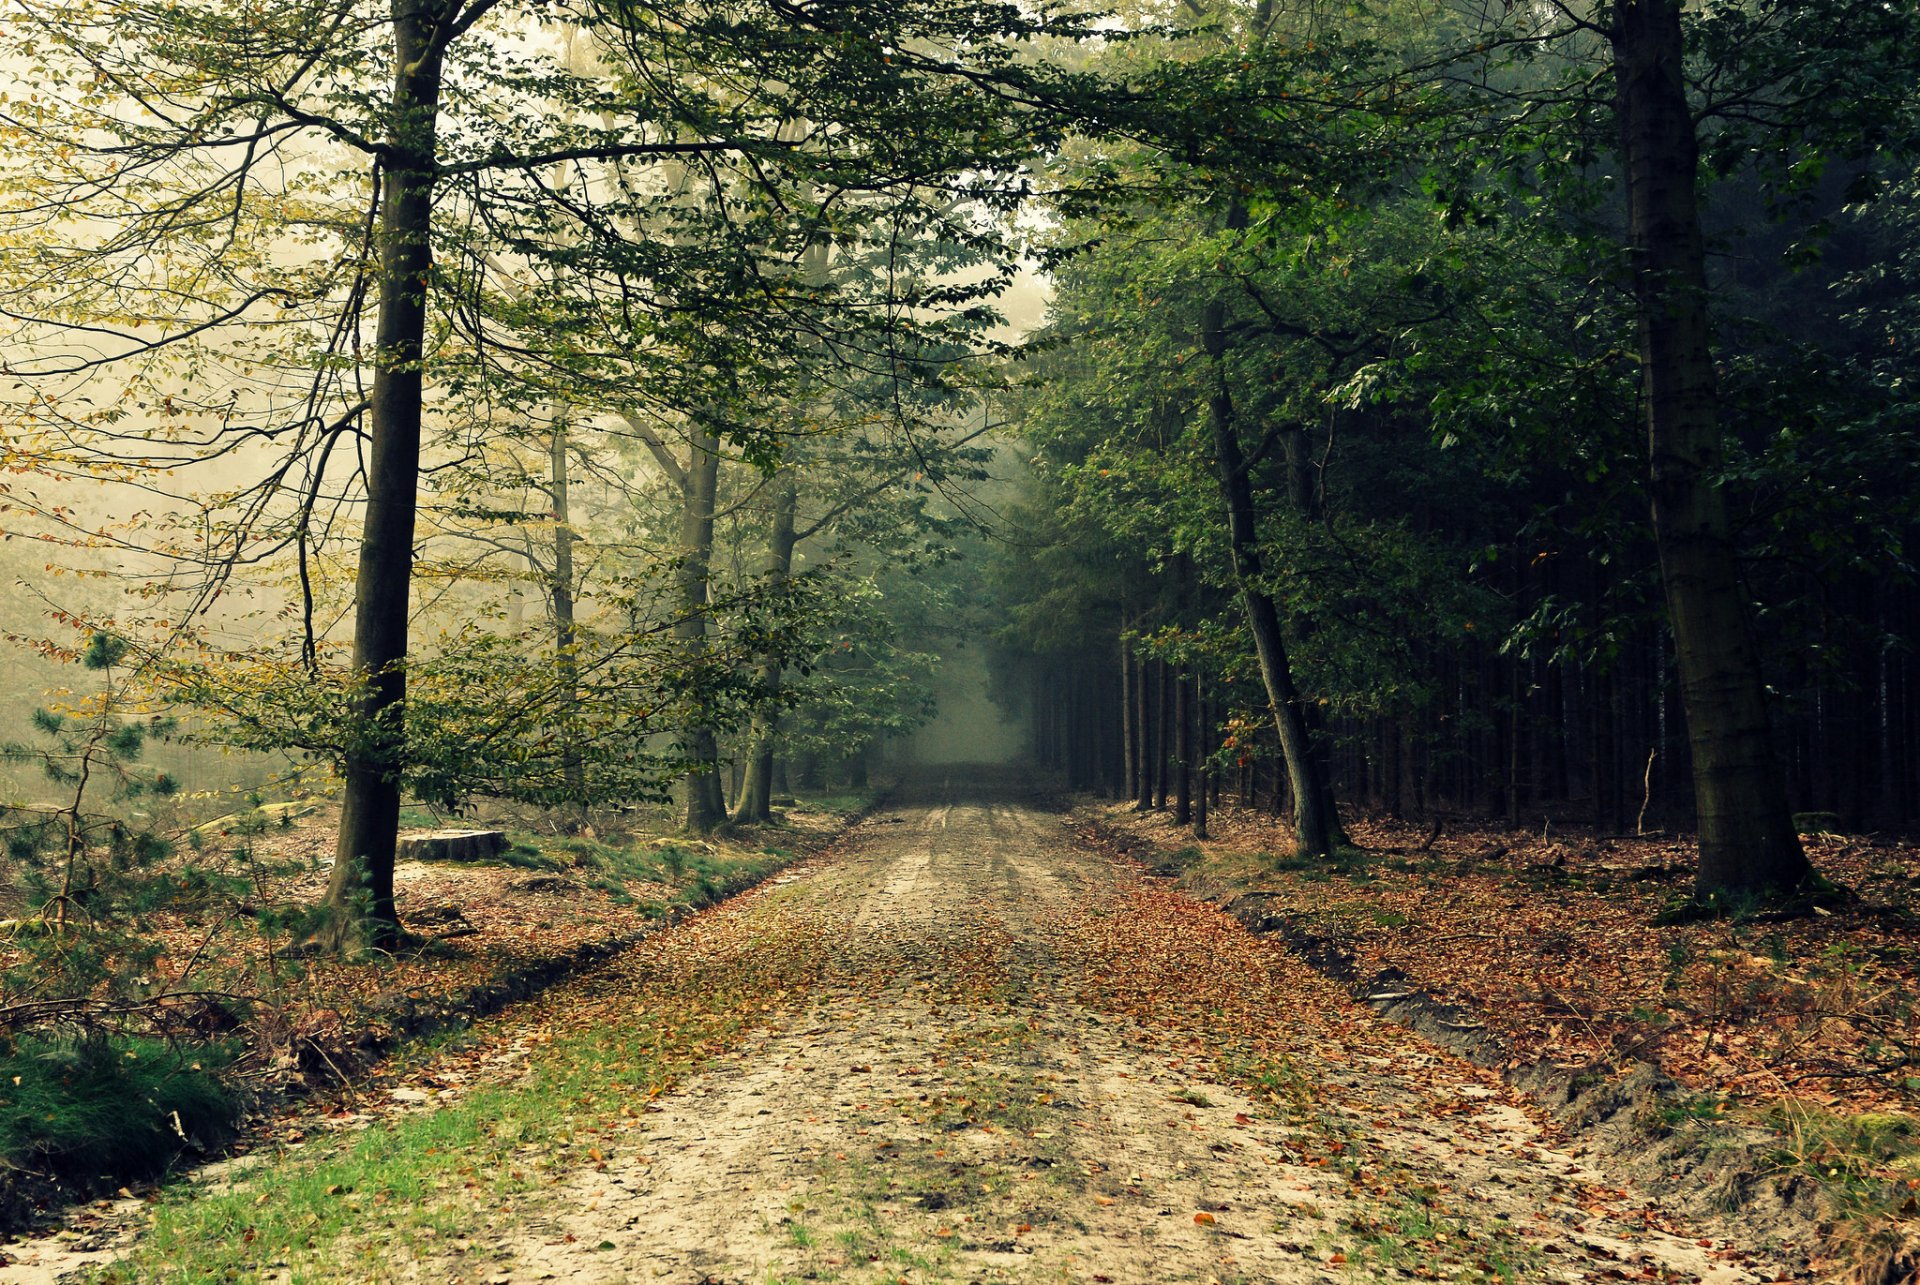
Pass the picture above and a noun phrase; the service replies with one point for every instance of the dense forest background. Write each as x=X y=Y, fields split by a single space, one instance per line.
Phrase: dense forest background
x=1455 y=513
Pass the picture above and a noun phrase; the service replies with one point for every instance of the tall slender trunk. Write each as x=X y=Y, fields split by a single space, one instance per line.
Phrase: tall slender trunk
x=1163 y=735
x=1747 y=841
x=1129 y=725
x=1203 y=739
x=566 y=635
x=359 y=895
x=705 y=805
x=1316 y=823
x=1143 y=763
x=1182 y=749
x=756 y=792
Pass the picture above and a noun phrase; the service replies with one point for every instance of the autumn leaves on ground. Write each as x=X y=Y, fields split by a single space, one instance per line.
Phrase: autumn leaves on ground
x=961 y=1046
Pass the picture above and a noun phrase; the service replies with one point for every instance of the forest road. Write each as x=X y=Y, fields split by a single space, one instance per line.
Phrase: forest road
x=1025 y=1061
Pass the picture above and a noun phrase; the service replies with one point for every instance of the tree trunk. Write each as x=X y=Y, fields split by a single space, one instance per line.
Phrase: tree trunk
x=1316 y=823
x=1182 y=749
x=359 y=897
x=1163 y=735
x=1747 y=842
x=756 y=792
x=1202 y=740
x=1143 y=761
x=573 y=768
x=705 y=806
x=1129 y=725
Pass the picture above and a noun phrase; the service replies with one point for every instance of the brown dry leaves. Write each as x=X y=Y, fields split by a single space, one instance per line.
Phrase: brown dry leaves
x=1554 y=944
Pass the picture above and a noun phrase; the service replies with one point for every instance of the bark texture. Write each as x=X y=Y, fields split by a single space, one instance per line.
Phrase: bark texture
x=1747 y=842
x=1316 y=823
x=360 y=891
x=756 y=792
x=706 y=806
x=566 y=637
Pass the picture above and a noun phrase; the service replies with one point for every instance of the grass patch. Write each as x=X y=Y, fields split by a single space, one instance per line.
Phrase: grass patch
x=1349 y=862
x=1860 y=1156
x=697 y=873
x=99 y=1105
x=835 y=804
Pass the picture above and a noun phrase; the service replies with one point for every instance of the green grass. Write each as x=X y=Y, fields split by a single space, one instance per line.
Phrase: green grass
x=834 y=804
x=1350 y=863
x=99 y=1106
x=339 y=1208
x=1860 y=1154
x=684 y=866
x=356 y=1207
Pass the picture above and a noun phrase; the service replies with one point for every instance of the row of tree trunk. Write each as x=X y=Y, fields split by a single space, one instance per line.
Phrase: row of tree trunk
x=1527 y=740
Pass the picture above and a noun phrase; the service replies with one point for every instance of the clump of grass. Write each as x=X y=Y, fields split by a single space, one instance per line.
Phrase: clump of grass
x=1354 y=863
x=835 y=804
x=1861 y=1153
x=696 y=874
x=97 y=1105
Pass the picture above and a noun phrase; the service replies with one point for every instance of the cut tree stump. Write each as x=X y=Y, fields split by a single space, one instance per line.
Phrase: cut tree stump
x=452 y=845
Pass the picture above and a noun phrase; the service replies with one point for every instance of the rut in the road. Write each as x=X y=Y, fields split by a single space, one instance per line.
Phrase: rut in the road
x=1024 y=1063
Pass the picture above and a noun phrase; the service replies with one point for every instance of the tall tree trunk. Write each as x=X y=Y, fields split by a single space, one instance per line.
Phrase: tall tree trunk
x=1163 y=735
x=1182 y=749
x=1203 y=739
x=1143 y=762
x=1747 y=841
x=359 y=897
x=1129 y=725
x=566 y=636
x=1316 y=823
x=705 y=805
x=756 y=792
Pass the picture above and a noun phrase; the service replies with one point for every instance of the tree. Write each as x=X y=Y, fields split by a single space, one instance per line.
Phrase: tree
x=1747 y=841
x=1785 y=79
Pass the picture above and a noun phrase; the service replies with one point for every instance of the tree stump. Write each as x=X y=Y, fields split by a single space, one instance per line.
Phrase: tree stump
x=452 y=845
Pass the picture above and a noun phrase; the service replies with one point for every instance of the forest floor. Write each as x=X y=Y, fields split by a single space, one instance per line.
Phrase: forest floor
x=964 y=1045
x=1764 y=1060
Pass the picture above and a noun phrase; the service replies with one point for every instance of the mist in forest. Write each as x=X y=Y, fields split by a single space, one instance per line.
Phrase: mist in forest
x=969 y=726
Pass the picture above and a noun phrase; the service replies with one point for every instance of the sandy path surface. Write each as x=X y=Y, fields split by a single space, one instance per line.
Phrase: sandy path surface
x=1019 y=1066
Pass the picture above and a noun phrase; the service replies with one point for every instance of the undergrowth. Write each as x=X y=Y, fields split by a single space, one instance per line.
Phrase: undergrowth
x=1865 y=1160
x=87 y=1105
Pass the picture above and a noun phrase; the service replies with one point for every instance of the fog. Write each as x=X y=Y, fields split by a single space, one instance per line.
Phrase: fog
x=969 y=727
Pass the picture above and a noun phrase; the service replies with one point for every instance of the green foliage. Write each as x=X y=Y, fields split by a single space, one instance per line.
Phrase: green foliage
x=860 y=680
x=491 y=714
x=83 y=870
x=1862 y=1156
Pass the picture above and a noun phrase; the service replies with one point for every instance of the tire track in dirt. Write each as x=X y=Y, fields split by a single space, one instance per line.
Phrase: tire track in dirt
x=1019 y=1066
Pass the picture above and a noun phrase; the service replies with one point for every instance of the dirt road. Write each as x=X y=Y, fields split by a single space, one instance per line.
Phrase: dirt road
x=974 y=1050
x=1026 y=1063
